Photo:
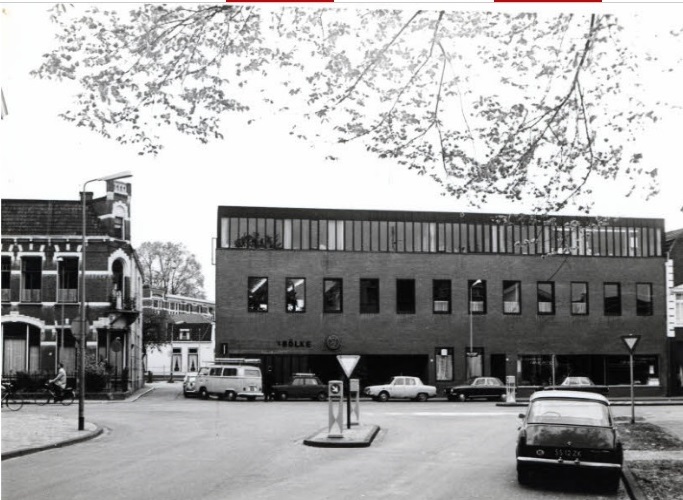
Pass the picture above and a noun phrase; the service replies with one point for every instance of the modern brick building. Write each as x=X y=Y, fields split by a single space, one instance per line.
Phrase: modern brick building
x=412 y=292
x=189 y=328
x=41 y=262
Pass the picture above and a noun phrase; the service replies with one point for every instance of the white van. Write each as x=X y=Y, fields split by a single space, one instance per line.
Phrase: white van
x=230 y=379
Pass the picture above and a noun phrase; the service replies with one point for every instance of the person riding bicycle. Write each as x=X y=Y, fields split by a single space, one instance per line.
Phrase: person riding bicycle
x=59 y=382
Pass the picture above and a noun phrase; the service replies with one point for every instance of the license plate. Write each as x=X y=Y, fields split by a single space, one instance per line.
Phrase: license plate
x=567 y=453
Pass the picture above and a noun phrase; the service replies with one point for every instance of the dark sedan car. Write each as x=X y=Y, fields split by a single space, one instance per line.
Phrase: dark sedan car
x=302 y=385
x=477 y=388
x=569 y=431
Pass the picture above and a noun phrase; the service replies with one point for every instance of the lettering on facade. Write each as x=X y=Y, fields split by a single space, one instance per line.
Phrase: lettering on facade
x=294 y=343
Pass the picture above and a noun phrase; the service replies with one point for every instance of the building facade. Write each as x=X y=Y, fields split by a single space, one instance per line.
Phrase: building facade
x=41 y=270
x=674 y=250
x=189 y=327
x=442 y=295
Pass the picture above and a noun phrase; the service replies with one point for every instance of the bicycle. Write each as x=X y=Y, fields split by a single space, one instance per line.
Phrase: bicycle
x=66 y=398
x=10 y=398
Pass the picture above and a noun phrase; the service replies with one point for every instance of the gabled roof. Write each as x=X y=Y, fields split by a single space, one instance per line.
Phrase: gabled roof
x=671 y=236
x=48 y=218
x=188 y=318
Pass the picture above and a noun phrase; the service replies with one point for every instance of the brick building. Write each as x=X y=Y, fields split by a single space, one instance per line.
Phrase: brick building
x=408 y=290
x=41 y=260
x=189 y=327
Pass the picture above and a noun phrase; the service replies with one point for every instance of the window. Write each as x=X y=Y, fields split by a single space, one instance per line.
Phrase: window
x=184 y=334
x=612 y=292
x=405 y=296
x=6 y=273
x=477 y=293
x=545 y=295
x=67 y=272
x=31 y=274
x=644 y=299
x=444 y=363
x=441 y=296
x=512 y=297
x=258 y=294
x=678 y=321
x=579 y=291
x=295 y=291
x=369 y=296
x=332 y=295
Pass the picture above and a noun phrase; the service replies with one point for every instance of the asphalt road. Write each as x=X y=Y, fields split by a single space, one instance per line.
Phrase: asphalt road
x=164 y=446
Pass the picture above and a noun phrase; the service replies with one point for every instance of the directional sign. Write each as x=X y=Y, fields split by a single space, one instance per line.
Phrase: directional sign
x=631 y=341
x=79 y=328
x=348 y=363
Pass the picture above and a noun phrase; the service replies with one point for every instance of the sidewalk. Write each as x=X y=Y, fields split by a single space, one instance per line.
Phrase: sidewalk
x=31 y=429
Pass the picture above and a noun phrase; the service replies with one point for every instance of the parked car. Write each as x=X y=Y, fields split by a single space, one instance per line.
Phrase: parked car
x=302 y=385
x=477 y=388
x=569 y=431
x=190 y=385
x=230 y=379
x=580 y=384
x=401 y=388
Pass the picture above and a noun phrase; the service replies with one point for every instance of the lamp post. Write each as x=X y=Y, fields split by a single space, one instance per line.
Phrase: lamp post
x=470 y=353
x=83 y=323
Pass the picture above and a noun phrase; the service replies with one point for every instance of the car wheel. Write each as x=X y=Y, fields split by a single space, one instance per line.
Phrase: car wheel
x=422 y=397
x=230 y=396
x=282 y=396
x=503 y=397
x=462 y=398
x=322 y=396
x=186 y=395
x=383 y=397
x=203 y=393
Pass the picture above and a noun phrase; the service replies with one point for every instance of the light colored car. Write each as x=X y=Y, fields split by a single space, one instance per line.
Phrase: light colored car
x=401 y=388
x=190 y=384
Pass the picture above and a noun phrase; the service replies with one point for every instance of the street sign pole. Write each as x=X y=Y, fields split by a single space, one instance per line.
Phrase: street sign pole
x=631 y=341
x=348 y=364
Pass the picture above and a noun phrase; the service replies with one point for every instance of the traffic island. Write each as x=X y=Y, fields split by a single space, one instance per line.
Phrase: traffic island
x=358 y=436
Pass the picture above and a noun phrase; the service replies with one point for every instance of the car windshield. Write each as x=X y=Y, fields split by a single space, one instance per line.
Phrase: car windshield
x=553 y=411
x=577 y=381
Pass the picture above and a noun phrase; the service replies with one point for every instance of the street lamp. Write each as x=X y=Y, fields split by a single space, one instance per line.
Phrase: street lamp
x=470 y=353
x=83 y=323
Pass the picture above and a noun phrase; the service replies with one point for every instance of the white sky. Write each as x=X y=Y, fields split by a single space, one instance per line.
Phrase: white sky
x=175 y=196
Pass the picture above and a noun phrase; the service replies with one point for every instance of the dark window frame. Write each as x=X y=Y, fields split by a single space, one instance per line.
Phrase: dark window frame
x=326 y=308
x=481 y=292
x=572 y=301
x=367 y=285
x=287 y=299
x=518 y=285
x=617 y=304
x=400 y=297
x=251 y=307
x=552 y=302
x=440 y=285
x=648 y=308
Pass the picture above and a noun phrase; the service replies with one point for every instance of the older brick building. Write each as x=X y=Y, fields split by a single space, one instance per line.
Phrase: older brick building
x=408 y=290
x=41 y=260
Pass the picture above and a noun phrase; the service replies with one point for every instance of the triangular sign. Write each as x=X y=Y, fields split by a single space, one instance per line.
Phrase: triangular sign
x=348 y=363
x=630 y=341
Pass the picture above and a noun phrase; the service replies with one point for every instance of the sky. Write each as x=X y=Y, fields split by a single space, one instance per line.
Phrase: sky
x=176 y=194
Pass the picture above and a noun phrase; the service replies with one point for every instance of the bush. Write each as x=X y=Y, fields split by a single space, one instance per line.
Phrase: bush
x=96 y=378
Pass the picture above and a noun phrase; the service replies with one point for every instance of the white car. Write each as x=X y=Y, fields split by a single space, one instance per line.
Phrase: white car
x=401 y=388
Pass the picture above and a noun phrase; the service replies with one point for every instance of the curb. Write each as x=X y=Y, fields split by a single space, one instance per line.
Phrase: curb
x=59 y=444
x=631 y=484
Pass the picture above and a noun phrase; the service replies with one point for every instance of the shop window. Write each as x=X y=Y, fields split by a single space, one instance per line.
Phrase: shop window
x=295 y=289
x=31 y=274
x=579 y=292
x=444 y=364
x=512 y=297
x=258 y=294
x=612 y=294
x=477 y=293
x=332 y=295
x=405 y=296
x=441 y=296
x=369 y=296
x=545 y=294
x=644 y=299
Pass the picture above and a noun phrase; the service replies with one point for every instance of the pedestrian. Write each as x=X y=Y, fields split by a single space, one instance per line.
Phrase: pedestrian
x=59 y=382
x=268 y=384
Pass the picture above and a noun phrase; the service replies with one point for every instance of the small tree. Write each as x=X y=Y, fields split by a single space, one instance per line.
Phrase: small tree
x=170 y=267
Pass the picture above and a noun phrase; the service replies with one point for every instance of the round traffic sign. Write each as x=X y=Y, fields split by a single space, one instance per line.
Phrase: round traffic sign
x=79 y=328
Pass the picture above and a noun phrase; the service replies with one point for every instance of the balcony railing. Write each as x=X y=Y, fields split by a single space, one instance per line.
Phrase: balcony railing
x=31 y=295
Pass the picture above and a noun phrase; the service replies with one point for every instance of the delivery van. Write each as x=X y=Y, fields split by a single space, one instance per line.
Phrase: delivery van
x=230 y=378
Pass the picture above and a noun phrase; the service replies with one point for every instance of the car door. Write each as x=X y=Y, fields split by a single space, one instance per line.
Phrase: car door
x=478 y=388
x=398 y=389
x=297 y=389
x=411 y=388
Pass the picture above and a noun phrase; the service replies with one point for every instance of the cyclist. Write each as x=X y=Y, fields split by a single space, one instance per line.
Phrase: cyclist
x=59 y=382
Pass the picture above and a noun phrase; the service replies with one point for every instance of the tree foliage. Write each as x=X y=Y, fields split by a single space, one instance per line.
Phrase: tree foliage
x=171 y=268
x=155 y=330
x=489 y=104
